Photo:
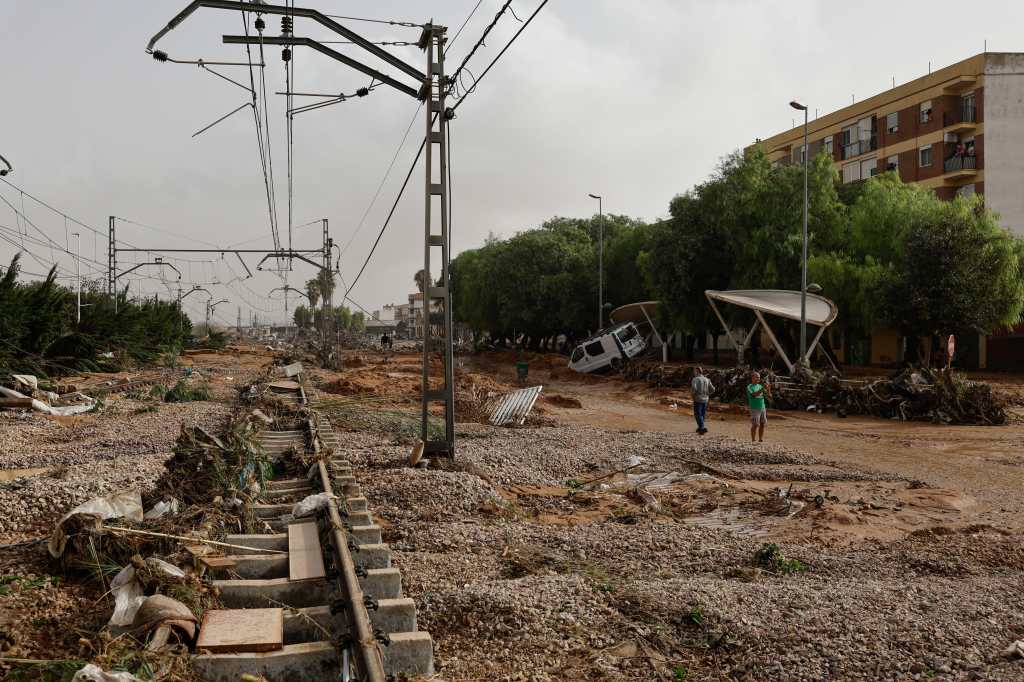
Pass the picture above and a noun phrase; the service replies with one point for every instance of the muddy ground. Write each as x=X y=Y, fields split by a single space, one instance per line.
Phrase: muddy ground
x=852 y=548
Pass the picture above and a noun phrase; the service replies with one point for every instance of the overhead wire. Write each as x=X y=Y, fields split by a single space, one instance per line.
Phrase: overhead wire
x=459 y=32
x=479 y=42
x=259 y=132
x=387 y=174
x=503 y=50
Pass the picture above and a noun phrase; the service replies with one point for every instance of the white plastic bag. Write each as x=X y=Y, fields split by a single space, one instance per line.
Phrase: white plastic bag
x=310 y=504
x=93 y=673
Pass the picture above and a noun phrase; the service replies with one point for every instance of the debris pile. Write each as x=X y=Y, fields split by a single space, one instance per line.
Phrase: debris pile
x=205 y=466
x=914 y=394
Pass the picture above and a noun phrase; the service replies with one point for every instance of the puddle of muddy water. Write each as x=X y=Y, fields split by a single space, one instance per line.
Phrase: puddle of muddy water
x=11 y=474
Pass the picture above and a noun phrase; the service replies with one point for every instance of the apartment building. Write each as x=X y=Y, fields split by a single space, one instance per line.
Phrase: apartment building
x=957 y=131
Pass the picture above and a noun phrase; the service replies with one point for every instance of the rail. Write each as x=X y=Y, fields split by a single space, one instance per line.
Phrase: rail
x=371 y=664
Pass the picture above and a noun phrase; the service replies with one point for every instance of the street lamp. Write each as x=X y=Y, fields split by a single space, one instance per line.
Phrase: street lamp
x=600 y=262
x=78 y=276
x=803 y=277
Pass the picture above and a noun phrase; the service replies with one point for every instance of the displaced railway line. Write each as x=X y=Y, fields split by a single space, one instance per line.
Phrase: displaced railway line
x=314 y=596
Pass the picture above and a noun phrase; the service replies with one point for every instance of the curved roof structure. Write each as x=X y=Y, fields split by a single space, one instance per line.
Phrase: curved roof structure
x=820 y=310
x=641 y=312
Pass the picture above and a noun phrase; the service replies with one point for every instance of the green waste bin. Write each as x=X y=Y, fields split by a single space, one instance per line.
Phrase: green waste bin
x=522 y=371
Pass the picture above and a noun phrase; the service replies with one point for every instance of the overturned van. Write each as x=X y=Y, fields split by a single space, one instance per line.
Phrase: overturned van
x=610 y=348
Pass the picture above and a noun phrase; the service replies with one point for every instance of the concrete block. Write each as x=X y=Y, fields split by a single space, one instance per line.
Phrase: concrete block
x=395 y=615
x=277 y=541
x=287 y=484
x=391 y=615
x=269 y=511
x=298 y=628
x=367 y=535
x=411 y=653
x=254 y=594
x=310 y=661
x=356 y=504
x=362 y=518
x=287 y=494
x=373 y=556
x=382 y=583
x=261 y=566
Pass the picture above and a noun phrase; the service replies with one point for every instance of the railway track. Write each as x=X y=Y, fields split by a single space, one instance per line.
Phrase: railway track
x=327 y=578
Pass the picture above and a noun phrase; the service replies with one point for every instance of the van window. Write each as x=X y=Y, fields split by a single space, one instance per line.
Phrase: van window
x=626 y=334
x=594 y=348
x=577 y=355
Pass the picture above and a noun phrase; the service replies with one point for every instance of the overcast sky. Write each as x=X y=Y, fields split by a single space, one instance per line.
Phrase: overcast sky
x=636 y=101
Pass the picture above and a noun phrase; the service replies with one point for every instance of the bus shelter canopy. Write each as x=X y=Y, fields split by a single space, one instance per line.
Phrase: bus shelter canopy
x=781 y=303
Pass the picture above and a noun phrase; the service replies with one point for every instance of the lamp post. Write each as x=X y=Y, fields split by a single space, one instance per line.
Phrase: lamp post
x=803 y=277
x=600 y=261
x=78 y=276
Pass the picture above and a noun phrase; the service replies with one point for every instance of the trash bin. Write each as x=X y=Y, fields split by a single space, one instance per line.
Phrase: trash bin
x=522 y=370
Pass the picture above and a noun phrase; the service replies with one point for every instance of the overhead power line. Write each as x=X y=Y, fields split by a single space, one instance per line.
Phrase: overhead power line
x=507 y=45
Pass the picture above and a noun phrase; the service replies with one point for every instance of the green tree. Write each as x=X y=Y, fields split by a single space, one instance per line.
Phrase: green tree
x=959 y=272
x=303 y=317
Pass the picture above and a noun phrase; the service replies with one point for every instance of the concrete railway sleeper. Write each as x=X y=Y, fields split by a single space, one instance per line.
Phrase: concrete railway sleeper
x=342 y=602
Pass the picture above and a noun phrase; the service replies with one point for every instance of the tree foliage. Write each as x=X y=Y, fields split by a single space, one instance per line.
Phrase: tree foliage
x=39 y=333
x=889 y=254
x=543 y=282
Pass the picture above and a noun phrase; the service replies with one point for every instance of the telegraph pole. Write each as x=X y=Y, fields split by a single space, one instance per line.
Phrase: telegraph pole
x=78 y=275
x=432 y=41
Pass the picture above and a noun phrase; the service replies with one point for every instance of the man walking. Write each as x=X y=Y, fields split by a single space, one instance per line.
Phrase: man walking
x=702 y=389
x=758 y=412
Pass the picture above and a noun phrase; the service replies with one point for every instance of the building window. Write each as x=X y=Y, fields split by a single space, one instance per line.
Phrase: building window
x=892 y=122
x=827 y=144
x=868 y=167
x=925 y=156
x=968 y=113
x=851 y=172
x=799 y=153
x=926 y=111
x=893 y=163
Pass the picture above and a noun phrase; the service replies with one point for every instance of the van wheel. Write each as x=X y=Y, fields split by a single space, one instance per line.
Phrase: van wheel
x=616 y=364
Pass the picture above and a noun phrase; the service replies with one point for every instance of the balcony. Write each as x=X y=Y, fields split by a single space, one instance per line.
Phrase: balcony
x=859 y=147
x=960 y=167
x=963 y=119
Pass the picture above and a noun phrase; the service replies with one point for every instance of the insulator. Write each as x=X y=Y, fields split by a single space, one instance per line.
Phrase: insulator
x=362 y=92
x=286 y=54
x=286 y=25
x=160 y=55
x=260 y=24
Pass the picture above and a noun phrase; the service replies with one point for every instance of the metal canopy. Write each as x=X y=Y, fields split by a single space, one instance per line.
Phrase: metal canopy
x=781 y=303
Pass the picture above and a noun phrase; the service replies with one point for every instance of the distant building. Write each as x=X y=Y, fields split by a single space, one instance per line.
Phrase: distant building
x=956 y=131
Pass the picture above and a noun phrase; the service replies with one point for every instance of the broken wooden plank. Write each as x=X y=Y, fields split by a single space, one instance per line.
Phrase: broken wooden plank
x=305 y=557
x=236 y=631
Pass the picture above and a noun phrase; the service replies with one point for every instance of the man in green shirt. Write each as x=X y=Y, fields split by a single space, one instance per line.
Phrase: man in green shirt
x=758 y=412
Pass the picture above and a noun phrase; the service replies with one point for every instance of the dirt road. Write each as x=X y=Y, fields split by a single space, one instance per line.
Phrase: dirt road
x=984 y=462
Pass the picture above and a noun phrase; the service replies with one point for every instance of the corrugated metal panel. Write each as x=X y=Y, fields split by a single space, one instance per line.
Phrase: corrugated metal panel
x=515 y=407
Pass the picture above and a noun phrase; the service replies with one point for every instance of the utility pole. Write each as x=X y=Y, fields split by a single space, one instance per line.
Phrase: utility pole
x=112 y=263
x=600 y=261
x=803 y=276
x=432 y=41
x=78 y=276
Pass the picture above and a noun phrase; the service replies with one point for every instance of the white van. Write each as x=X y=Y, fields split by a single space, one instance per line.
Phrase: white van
x=610 y=347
